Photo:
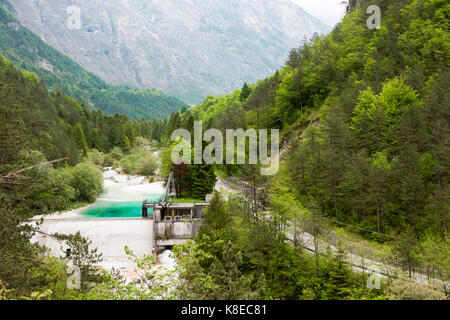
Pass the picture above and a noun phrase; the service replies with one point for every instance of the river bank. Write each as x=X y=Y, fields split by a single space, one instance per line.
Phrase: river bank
x=111 y=222
x=118 y=188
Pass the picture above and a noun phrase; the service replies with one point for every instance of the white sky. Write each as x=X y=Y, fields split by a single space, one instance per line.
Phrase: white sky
x=329 y=11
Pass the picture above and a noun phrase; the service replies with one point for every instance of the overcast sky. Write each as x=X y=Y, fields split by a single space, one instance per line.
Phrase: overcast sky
x=329 y=11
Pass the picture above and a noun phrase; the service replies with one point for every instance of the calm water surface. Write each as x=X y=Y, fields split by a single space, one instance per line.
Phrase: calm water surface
x=117 y=202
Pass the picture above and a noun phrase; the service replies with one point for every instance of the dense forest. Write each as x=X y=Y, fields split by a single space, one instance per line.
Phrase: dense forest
x=29 y=52
x=38 y=126
x=364 y=116
x=52 y=152
x=58 y=125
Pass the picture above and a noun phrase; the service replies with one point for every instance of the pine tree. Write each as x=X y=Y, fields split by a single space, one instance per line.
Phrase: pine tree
x=339 y=275
x=245 y=92
x=335 y=147
x=217 y=217
x=378 y=179
x=203 y=179
x=182 y=177
x=125 y=144
x=232 y=284
x=80 y=139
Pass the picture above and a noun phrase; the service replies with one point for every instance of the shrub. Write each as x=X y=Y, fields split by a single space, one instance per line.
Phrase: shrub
x=146 y=166
x=142 y=142
x=96 y=157
x=116 y=153
x=404 y=289
x=87 y=181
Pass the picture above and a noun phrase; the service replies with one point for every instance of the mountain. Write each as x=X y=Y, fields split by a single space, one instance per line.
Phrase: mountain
x=186 y=48
x=29 y=52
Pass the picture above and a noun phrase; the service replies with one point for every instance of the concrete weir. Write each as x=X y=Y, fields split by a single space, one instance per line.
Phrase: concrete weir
x=109 y=236
x=174 y=223
x=111 y=223
x=115 y=221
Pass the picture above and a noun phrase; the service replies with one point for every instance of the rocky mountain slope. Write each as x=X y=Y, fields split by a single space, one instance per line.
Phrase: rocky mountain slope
x=28 y=52
x=186 y=48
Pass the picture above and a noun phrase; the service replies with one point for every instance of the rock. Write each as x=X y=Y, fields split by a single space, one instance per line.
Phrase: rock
x=186 y=48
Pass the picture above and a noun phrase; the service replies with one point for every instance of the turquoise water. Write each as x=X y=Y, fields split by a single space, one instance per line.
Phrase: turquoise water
x=109 y=209
x=122 y=209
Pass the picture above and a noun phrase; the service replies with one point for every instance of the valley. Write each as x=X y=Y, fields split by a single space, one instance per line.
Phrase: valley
x=357 y=122
x=187 y=49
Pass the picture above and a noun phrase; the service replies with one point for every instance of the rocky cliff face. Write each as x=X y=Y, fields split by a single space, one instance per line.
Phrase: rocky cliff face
x=186 y=48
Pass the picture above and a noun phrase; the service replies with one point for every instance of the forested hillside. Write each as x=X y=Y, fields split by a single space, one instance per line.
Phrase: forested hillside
x=52 y=150
x=57 y=124
x=38 y=126
x=186 y=48
x=366 y=116
x=29 y=52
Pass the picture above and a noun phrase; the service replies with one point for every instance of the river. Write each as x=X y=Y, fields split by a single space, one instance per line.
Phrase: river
x=123 y=196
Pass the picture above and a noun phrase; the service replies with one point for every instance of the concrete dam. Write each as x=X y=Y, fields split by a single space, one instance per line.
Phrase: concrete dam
x=131 y=213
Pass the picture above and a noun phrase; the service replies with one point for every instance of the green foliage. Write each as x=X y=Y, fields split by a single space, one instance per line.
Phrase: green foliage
x=138 y=162
x=360 y=113
x=36 y=126
x=245 y=92
x=217 y=219
x=195 y=281
x=363 y=113
x=59 y=192
x=88 y=181
x=96 y=157
x=339 y=276
x=147 y=166
x=203 y=180
x=364 y=121
x=198 y=179
x=235 y=256
x=82 y=256
x=433 y=252
x=31 y=76
x=231 y=283
x=116 y=154
x=404 y=289
x=58 y=125
x=79 y=138
x=37 y=189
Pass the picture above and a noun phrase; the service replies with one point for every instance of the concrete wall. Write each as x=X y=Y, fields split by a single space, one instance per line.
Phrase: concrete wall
x=177 y=230
x=108 y=235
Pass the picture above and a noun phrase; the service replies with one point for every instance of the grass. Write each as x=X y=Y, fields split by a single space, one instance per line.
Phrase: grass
x=221 y=174
x=187 y=198
x=348 y=234
x=77 y=205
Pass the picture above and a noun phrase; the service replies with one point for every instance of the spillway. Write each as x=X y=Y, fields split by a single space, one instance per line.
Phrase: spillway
x=113 y=221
